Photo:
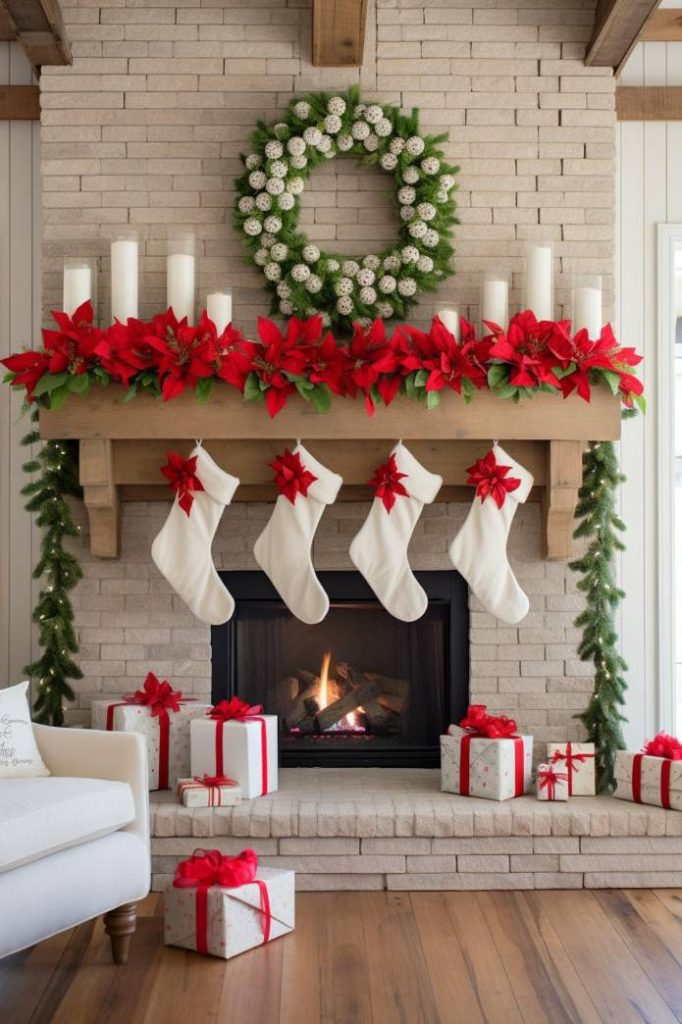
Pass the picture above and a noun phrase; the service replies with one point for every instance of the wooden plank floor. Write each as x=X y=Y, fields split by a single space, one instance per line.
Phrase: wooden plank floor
x=380 y=958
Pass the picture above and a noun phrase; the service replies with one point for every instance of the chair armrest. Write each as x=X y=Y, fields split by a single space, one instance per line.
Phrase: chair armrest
x=95 y=754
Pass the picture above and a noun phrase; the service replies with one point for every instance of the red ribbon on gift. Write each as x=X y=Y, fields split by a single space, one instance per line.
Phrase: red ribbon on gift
x=548 y=779
x=479 y=724
x=211 y=782
x=161 y=698
x=573 y=762
x=664 y=745
x=237 y=710
x=206 y=868
x=668 y=749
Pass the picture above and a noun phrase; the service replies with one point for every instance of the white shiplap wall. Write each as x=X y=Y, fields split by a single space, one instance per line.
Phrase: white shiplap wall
x=650 y=193
x=20 y=240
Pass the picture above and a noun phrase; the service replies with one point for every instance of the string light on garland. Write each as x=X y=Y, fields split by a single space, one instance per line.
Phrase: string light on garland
x=55 y=477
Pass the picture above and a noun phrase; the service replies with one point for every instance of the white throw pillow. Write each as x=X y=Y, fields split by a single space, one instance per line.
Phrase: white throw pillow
x=19 y=754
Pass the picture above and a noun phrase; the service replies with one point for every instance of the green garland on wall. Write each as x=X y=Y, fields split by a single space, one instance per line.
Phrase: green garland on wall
x=54 y=472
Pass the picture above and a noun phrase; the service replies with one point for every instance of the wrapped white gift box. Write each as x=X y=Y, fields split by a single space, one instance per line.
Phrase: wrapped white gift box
x=496 y=769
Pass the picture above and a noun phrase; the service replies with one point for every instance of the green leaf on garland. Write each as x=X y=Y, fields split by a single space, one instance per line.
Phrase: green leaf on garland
x=58 y=396
x=203 y=389
x=432 y=399
x=497 y=374
x=50 y=382
x=79 y=384
x=613 y=381
x=321 y=398
x=420 y=378
x=252 y=389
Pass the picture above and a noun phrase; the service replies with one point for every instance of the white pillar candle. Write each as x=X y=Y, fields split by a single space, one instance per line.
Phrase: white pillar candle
x=587 y=308
x=124 y=255
x=450 y=320
x=219 y=309
x=539 y=281
x=495 y=300
x=77 y=284
x=180 y=284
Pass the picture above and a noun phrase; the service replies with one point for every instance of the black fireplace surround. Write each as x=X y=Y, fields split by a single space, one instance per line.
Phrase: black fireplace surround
x=391 y=687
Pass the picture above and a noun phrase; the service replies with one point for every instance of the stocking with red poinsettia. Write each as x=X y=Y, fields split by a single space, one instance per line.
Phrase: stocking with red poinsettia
x=479 y=551
x=379 y=551
x=182 y=548
x=283 y=549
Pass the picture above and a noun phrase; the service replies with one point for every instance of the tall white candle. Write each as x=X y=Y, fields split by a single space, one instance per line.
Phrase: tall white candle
x=587 y=309
x=180 y=284
x=77 y=284
x=495 y=300
x=450 y=320
x=219 y=309
x=124 y=255
x=539 y=281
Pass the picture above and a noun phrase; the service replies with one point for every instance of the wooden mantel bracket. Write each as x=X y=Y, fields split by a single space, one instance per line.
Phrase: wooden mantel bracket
x=122 y=447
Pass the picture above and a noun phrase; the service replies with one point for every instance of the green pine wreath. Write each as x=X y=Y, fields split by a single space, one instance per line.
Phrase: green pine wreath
x=305 y=280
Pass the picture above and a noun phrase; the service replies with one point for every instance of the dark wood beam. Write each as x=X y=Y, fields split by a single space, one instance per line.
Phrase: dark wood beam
x=19 y=103
x=618 y=25
x=338 y=32
x=38 y=27
x=664 y=26
x=6 y=26
x=649 y=102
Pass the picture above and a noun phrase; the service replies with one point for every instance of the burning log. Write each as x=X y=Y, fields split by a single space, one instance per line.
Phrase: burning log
x=379 y=718
x=356 y=697
x=307 y=686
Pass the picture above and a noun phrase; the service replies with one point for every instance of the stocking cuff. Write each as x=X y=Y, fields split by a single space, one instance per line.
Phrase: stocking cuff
x=327 y=485
x=517 y=471
x=420 y=483
x=218 y=484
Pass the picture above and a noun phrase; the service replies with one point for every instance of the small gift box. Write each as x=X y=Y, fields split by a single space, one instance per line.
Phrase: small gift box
x=578 y=760
x=222 y=906
x=209 y=791
x=653 y=776
x=162 y=715
x=484 y=756
x=239 y=741
x=551 y=784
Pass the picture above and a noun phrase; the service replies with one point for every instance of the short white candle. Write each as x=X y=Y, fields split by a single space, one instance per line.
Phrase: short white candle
x=77 y=285
x=495 y=300
x=219 y=309
x=450 y=320
x=180 y=284
x=124 y=256
x=539 y=281
x=587 y=309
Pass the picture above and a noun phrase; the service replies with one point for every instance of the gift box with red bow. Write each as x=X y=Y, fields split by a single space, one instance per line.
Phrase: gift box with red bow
x=577 y=760
x=652 y=776
x=485 y=756
x=162 y=715
x=222 y=906
x=239 y=741
x=550 y=783
x=209 y=791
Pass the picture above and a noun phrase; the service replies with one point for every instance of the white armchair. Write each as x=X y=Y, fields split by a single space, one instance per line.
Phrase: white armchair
x=75 y=845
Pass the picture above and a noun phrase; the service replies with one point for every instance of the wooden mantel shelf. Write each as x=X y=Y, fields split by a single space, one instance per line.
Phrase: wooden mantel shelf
x=123 y=446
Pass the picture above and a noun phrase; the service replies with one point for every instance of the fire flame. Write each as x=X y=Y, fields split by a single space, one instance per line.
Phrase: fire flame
x=323 y=698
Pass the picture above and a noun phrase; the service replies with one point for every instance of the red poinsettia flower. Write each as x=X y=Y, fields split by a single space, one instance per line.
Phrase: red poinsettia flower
x=327 y=363
x=585 y=355
x=186 y=353
x=525 y=347
x=491 y=480
x=453 y=363
x=27 y=368
x=291 y=476
x=234 y=357
x=280 y=358
x=72 y=348
x=387 y=483
x=182 y=479
x=371 y=363
x=123 y=351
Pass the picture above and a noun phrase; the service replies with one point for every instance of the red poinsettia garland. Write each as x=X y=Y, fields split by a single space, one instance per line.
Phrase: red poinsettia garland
x=166 y=356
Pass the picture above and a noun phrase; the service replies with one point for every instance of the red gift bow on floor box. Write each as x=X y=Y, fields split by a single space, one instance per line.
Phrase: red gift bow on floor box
x=479 y=724
x=548 y=779
x=669 y=749
x=210 y=782
x=237 y=710
x=573 y=762
x=161 y=698
x=206 y=868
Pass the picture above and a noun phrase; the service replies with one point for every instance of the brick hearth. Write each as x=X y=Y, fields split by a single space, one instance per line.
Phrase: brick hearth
x=393 y=829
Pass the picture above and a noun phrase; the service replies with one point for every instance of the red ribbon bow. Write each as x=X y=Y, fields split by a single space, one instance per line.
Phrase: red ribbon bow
x=490 y=479
x=234 y=708
x=291 y=476
x=206 y=868
x=664 y=745
x=573 y=762
x=237 y=710
x=386 y=483
x=479 y=723
x=182 y=479
x=211 y=782
x=548 y=779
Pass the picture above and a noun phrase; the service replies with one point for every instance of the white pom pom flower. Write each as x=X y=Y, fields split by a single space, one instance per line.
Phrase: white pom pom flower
x=275 y=186
x=431 y=165
x=368 y=295
x=295 y=186
x=344 y=142
x=279 y=251
x=286 y=201
x=447 y=182
x=406 y=195
x=392 y=264
x=264 y=202
x=253 y=161
x=279 y=169
x=286 y=308
x=312 y=136
x=272 y=224
x=407 y=213
x=298 y=162
x=311 y=253
x=252 y=226
x=407 y=286
x=344 y=286
x=314 y=283
x=387 y=284
x=360 y=130
x=425 y=264
x=333 y=124
x=373 y=262
x=302 y=110
x=273 y=149
x=359 y=111
x=389 y=161
x=325 y=144
x=261 y=257
x=385 y=310
x=267 y=240
x=415 y=145
x=383 y=128
x=396 y=146
x=257 y=180
x=296 y=145
x=409 y=254
x=374 y=113
x=365 y=276
x=431 y=239
x=417 y=229
x=273 y=271
x=442 y=195
x=336 y=105
x=300 y=272
x=333 y=265
x=283 y=290
x=349 y=268
x=371 y=143
x=344 y=305
x=246 y=204
x=410 y=175
x=427 y=211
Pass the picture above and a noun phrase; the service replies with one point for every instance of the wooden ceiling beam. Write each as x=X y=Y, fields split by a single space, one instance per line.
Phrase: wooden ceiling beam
x=338 y=33
x=6 y=27
x=618 y=25
x=649 y=102
x=38 y=27
x=664 y=26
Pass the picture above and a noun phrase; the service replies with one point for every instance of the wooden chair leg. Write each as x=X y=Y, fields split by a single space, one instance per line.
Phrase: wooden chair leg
x=119 y=925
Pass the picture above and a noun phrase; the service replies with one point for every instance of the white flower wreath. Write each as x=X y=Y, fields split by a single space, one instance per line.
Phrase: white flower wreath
x=283 y=155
